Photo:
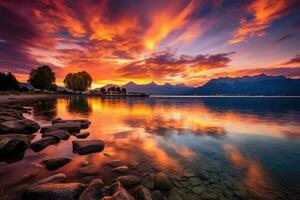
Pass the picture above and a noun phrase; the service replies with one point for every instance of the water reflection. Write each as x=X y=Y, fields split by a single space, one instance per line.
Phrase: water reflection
x=45 y=110
x=235 y=147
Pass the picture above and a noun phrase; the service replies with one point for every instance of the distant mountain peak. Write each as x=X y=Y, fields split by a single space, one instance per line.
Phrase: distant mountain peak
x=152 y=83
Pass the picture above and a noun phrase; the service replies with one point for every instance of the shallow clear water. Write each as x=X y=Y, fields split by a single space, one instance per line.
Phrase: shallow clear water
x=211 y=148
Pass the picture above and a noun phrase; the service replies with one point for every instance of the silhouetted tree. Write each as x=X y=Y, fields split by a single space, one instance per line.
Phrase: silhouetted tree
x=8 y=82
x=118 y=90
x=79 y=81
x=42 y=78
x=123 y=91
x=103 y=90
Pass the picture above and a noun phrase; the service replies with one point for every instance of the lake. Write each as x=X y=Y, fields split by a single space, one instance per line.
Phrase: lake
x=210 y=148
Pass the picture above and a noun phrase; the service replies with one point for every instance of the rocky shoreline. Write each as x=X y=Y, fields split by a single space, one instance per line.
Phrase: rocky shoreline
x=16 y=134
x=120 y=180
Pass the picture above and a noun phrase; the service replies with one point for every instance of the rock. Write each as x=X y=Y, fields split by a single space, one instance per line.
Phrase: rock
x=51 y=191
x=72 y=127
x=106 y=154
x=11 y=114
x=117 y=192
x=114 y=163
x=84 y=123
x=82 y=135
x=142 y=193
x=87 y=146
x=84 y=163
x=13 y=146
x=23 y=126
x=56 y=178
x=44 y=129
x=161 y=181
x=198 y=190
x=53 y=164
x=61 y=134
x=121 y=169
x=195 y=181
x=129 y=180
x=43 y=143
x=94 y=191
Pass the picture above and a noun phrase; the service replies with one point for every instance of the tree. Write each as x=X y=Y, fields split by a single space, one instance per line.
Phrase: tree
x=42 y=78
x=103 y=90
x=123 y=91
x=78 y=82
x=8 y=82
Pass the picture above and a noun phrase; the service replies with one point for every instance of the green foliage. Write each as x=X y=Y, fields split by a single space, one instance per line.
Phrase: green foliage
x=78 y=82
x=42 y=78
x=103 y=90
x=8 y=82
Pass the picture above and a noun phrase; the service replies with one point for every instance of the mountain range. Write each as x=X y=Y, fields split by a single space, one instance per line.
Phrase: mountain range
x=246 y=85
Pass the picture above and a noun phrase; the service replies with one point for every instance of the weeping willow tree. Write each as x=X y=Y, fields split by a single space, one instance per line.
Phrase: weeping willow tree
x=78 y=82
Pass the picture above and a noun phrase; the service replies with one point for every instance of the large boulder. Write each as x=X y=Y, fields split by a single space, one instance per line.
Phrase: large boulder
x=84 y=123
x=87 y=146
x=117 y=192
x=61 y=134
x=13 y=146
x=23 y=126
x=53 y=164
x=53 y=187
x=129 y=180
x=161 y=181
x=43 y=143
x=72 y=127
x=94 y=191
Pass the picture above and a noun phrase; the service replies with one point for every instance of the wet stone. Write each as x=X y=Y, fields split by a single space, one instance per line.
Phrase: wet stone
x=195 y=181
x=94 y=191
x=43 y=143
x=81 y=135
x=23 y=126
x=161 y=181
x=142 y=193
x=121 y=169
x=198 y=190
x=13 y=146
x=61 y=134
x=53 y=164
x=87 y=146
x=117 y=192
x=115 y=163
x=129 y=180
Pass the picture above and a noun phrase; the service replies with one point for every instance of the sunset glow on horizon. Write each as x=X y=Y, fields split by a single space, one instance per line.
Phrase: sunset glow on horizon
x=180 y=41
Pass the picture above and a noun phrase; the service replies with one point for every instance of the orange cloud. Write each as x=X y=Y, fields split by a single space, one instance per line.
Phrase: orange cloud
x=263 y=13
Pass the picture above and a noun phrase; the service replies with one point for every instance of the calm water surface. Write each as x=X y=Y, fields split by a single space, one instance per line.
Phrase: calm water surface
x=211 y=148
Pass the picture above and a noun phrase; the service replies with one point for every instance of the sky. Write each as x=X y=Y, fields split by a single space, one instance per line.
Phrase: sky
x=178 y=41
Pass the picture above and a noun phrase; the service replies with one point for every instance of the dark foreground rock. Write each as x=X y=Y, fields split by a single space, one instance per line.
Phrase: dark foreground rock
x=87 y=146
x=94 y=191
x=53 y=189
x=61 y=134
x=53 y=164
x=129 y=180
x=117 y=192
x=23 y=126
x=43 y=143
x=13 y=146
x=161 y=181
x=72 y=127
x=82 y=135
x=84 y=123
x=142 y=193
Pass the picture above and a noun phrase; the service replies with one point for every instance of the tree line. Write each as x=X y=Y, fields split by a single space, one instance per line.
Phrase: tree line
x=43 y=78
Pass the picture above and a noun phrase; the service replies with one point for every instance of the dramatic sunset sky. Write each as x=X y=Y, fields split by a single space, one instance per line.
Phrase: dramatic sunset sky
x=174 y=41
